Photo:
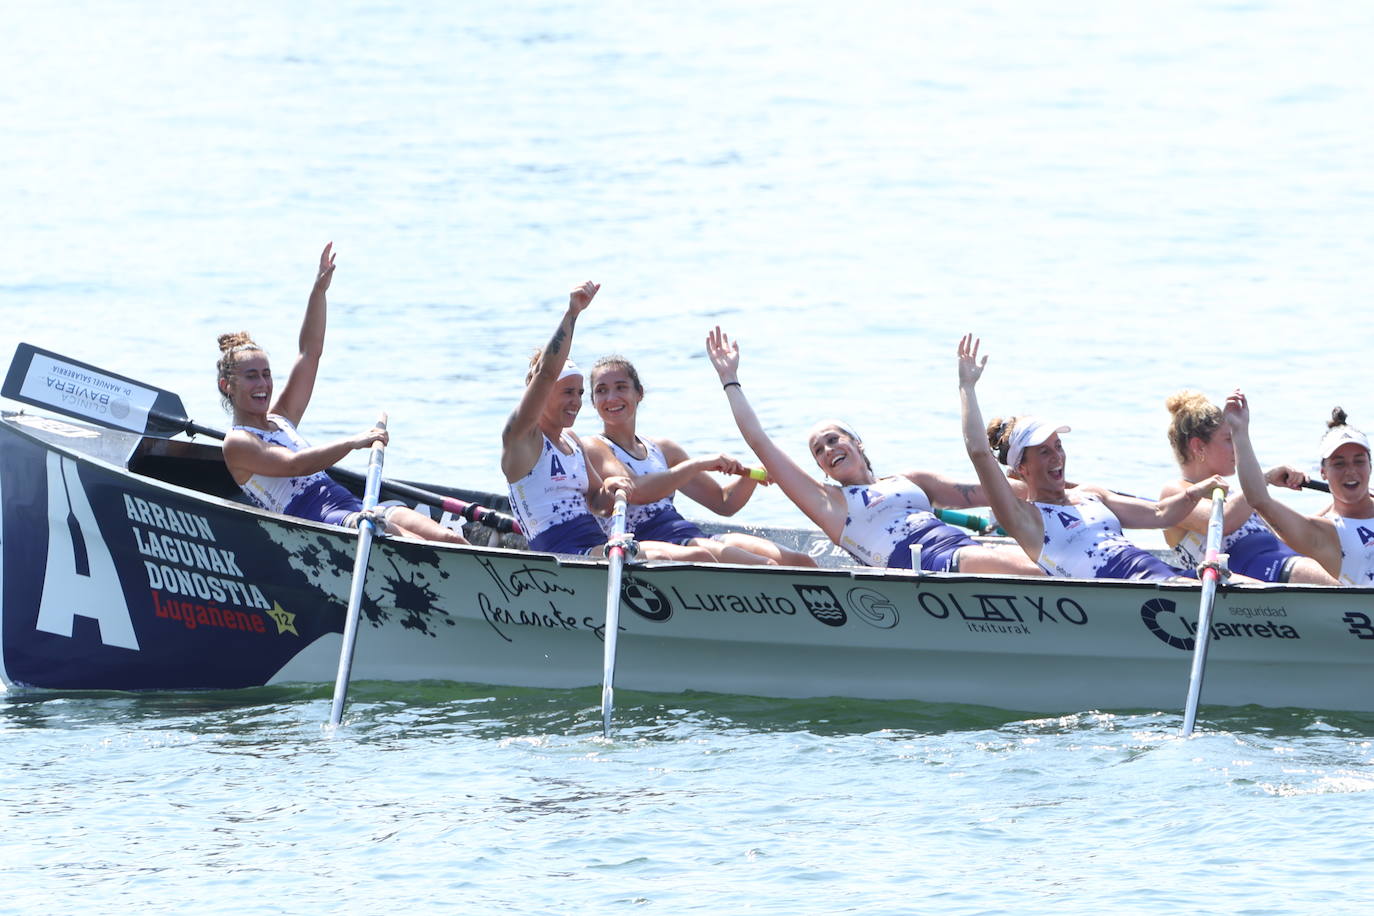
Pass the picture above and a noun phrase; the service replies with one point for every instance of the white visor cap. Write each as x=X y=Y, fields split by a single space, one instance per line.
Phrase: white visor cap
x=1337 y=436
x=1028 y=433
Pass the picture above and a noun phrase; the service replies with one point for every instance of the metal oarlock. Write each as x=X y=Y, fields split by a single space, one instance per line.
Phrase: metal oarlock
x=625 y=542
x=1222 y=565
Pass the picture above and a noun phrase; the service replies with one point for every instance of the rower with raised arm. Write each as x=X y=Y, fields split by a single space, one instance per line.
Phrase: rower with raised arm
x=556 y=493
x=272 y=463
x=877 y=520
x=1067 y=531
x=1341 y=542
x=1204 y=445
x=661 y=468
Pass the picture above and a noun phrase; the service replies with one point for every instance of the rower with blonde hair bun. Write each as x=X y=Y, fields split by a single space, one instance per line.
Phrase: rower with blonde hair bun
x=271 y=462
x=1203 y=445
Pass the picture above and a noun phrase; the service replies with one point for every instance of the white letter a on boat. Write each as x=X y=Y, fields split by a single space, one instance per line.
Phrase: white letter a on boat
x=80 y=578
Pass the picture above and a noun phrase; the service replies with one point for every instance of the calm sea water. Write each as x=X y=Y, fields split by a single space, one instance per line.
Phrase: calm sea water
x=1123 y=199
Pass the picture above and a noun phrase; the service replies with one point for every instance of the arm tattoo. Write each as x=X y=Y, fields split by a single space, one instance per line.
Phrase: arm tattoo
x=556 y=341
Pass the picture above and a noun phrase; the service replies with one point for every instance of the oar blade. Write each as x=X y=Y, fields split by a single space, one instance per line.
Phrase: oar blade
x=68 y=386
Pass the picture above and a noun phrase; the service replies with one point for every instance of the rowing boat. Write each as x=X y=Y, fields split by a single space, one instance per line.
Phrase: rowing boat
x=132 y=563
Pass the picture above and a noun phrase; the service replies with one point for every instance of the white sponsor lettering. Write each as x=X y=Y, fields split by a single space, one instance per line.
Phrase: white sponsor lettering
x=193 y=560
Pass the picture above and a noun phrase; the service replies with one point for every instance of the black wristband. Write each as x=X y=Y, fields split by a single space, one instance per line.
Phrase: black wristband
x=728 y=384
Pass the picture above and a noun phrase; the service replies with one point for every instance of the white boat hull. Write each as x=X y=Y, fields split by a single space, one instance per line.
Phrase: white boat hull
x=116 y=580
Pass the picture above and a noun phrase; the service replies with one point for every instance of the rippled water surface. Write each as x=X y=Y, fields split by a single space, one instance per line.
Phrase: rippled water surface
x=445 y=798
x=1123 y=199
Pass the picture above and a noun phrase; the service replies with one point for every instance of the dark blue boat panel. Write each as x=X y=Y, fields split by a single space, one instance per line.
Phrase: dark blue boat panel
x=98 y=565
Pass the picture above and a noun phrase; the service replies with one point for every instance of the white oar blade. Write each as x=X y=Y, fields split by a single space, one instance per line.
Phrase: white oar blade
x=67 y=386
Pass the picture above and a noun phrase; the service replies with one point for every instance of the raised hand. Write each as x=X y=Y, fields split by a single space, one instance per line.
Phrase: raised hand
x=970 y=367
x=582 y=296
x=724 y=354
x=1237 y=411
x=326 y=268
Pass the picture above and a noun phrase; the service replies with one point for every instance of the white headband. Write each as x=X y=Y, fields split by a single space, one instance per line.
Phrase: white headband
x=836 y=424
x=569 y=368
x=1028 y=433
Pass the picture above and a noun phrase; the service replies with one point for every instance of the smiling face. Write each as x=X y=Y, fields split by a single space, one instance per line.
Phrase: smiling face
x=564 y=402
x=615 y=395
x=249 y=385
x=1042 y=466
x=839 y=456
x=1347 y=471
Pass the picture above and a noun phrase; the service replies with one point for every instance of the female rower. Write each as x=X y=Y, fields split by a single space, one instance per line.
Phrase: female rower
x=269 y=460
x=1067 y=531
x=876 y=520
x=1341 y=542
x=1204 y=446
x=554 y=490
x=660 y=467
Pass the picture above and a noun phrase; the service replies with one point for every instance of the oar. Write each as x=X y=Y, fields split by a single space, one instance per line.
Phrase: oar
x=615 y=556
x=1210 y=574
x=366 y=528
x=67 y=386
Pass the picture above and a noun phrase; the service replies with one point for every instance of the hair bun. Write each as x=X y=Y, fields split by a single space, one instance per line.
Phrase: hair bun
x=1186 y=399
x=1338 y=418
x=999 y=436
x=228 y=342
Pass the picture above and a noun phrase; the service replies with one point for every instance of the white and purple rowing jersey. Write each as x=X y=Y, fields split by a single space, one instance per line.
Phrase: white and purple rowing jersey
x=653 y=463
x=316 y=496
x=884 y=517
x=1084 y=540
x=1253 y=550
x=554 y=491
x=1357 y=549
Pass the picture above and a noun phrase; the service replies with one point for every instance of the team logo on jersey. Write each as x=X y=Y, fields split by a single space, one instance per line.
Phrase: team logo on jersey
x=822 y=604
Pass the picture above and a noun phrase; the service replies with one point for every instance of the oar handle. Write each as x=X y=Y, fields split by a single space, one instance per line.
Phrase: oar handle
x=1321 y=485
x=372 y=489
x=759 y=474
